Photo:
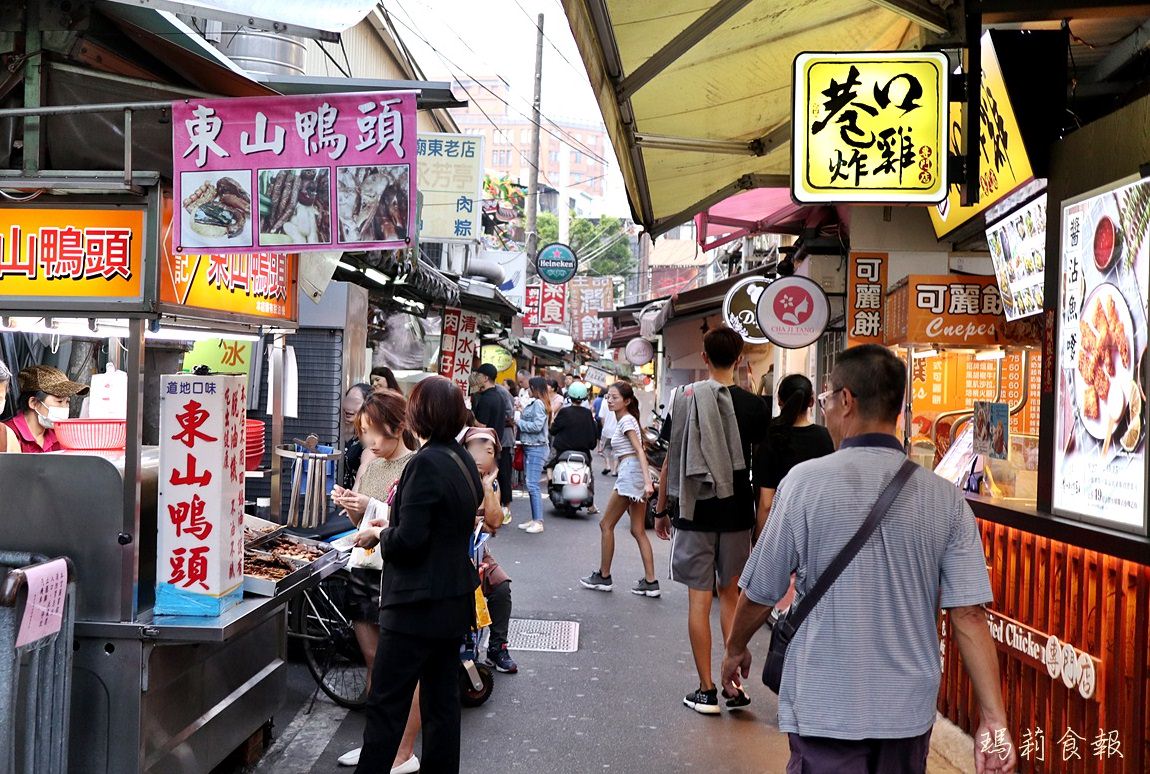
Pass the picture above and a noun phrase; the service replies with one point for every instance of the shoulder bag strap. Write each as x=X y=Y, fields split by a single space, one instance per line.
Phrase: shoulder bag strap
x=467 y=475
x=795 y=618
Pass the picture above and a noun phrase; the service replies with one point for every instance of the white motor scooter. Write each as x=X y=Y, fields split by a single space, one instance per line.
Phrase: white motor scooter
x=570 y=487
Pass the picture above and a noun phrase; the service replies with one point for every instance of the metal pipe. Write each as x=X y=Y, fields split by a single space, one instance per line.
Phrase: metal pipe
x=127 y=147
x=103 y=107
x=133 y=476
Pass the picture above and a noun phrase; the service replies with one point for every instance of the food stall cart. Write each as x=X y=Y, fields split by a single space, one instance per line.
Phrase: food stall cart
x=165 y=693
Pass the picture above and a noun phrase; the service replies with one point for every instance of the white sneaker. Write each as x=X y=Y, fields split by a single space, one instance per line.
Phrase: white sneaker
x=525 y=524
x=534 y=528
x=409 y=766
x=350 y=758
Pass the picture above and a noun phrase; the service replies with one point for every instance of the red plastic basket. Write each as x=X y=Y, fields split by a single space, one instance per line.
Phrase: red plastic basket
x=92 y=434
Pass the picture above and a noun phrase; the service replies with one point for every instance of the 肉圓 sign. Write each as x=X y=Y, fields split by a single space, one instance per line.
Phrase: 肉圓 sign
x=870 y=127
x=556 y=263
x=92 y=254
x=314 y=172
x=1004 y=165
x=793 y=312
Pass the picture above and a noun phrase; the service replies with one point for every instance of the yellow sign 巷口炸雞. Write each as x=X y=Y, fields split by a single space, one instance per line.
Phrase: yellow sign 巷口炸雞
x=870 y=127
x=1004 y=165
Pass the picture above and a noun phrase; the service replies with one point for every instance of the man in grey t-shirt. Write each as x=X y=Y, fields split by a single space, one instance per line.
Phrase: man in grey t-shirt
x=861 y=676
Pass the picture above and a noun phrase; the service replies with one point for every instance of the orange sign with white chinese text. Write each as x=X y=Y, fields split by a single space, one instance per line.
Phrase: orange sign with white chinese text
x=945 y=310
x=866 y=295
x=261 y=285
x=95 y=253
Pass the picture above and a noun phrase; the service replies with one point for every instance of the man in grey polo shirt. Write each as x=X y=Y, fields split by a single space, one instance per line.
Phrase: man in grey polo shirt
x=861 y=675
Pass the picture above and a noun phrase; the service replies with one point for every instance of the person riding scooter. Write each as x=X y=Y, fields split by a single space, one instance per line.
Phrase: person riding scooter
x=574 y=430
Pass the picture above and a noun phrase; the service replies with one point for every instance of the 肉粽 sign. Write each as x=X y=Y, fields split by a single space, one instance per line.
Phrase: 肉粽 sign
x=740 y=309
x=450 y=177
x=95 y=254
x=314 y=172
x=1100 y=385
x=866 y=298
x=200 y=548
x=954 y=310
x=260 y=285
x=1004 y=165
x=870 y=127
x=793 y=312
x=556 y=263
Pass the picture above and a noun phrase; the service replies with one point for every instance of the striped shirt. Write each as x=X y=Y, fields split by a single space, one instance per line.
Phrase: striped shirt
x=620 y=444
x=865 y=662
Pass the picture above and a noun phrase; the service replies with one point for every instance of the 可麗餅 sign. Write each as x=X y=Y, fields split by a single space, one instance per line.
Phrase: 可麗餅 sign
x=870 y=127
x=286 y=174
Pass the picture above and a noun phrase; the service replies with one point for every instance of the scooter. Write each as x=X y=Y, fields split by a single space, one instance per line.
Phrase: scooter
x=570 y=486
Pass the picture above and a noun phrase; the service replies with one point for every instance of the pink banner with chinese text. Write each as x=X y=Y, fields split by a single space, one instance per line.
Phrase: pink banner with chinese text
x=313 y=172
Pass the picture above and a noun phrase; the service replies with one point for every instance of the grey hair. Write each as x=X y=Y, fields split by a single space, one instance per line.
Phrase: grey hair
x=5 y=373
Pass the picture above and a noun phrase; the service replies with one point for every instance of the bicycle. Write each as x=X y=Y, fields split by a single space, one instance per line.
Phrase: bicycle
x=331 y=651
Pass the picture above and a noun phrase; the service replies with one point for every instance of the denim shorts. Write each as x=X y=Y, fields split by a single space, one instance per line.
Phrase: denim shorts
x=630 y=482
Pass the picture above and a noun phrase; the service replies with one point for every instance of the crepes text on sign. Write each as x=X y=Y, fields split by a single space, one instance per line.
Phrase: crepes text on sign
x=312 y=172
x=947 y=309
x=74 y=253
x=870 y=127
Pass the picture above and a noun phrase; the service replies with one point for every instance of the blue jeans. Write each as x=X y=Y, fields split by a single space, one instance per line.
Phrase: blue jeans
x=534 y=458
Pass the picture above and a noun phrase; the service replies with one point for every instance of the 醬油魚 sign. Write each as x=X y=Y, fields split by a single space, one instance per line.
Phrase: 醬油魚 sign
x=870 y=127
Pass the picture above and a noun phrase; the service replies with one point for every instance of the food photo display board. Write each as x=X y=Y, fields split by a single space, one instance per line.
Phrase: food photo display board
x=1018 y=249
x=1100 y=442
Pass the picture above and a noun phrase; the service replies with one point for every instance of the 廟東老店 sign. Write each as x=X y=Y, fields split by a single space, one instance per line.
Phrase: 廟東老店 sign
x=257 y=285
x=450 y=179
x=1004 y=165
x=315 y=172
x=870 y=127
x=77 y=254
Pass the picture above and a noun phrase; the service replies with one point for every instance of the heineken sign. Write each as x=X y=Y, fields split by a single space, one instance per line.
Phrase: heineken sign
x=556 y=263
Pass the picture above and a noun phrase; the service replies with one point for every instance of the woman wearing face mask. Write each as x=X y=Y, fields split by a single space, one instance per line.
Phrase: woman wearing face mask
x=44 y=400
x=8 y=441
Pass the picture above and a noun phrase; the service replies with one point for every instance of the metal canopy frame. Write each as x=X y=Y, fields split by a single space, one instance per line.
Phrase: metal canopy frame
x=924 y=13
x=240 y=20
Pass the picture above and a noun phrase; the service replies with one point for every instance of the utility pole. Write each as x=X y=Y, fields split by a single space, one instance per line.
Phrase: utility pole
x=533 y=176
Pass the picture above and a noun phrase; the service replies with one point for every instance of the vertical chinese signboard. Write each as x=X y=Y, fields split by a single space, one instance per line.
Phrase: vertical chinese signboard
x=552 y=306
x=459 y=346
x=200 y=552
x=1004 y=164
x=331 y=172
x=76 y=254
x=1100 y=437
x=870 y=127
x=866 y=297
x=531 y=296
x=450 y=179
x=586 y=297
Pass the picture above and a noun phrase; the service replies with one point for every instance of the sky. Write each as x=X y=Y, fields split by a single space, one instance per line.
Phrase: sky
x=475 y=38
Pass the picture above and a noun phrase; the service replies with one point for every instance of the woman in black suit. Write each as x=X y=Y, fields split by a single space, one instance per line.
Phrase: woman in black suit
x=428 y=590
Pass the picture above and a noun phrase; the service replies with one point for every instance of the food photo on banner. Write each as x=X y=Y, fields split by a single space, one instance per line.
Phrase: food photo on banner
x=1100 y=443
x=1018 y=250
x=264 y=172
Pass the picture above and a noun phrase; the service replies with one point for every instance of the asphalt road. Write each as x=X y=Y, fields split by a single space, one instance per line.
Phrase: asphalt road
x=615 y=705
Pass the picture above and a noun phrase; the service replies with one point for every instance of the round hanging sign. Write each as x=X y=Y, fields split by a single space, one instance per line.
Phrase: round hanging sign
x=740 y=309
x=793 y=312
x=556 y=263
x=639 y=351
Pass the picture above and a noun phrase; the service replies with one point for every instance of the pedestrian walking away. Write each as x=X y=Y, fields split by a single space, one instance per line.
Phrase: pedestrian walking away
x=629 y=496
x=534 y=422
x=712 y=427
x=865 y=660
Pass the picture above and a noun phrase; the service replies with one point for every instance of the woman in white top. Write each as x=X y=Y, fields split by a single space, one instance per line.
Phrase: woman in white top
x=632 y=489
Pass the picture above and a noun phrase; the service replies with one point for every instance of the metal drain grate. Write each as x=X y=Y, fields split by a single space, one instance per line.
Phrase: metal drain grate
x=543 y=636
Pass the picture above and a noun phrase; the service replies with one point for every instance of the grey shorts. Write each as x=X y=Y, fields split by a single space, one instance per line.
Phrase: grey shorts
x=630 y=481
x=699 y=559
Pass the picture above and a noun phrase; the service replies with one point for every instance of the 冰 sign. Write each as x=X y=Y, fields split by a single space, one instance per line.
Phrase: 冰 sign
x=311 y=172
x=870 y=127
x=793 y=312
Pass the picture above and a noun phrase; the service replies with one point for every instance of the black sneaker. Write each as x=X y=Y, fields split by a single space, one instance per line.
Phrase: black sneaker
x=703 y=702
x=597 y=582
x=502 y=661
x=738 y=699
x=646 y=588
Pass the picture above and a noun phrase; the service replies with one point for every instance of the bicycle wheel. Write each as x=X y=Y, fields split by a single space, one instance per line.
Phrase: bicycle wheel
x=330 y=648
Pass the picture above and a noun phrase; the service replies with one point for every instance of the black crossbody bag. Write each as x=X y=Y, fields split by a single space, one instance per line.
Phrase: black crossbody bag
x=790 y=621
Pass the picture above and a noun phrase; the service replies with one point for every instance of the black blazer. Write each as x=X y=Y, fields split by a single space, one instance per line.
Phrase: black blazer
x=426 y=549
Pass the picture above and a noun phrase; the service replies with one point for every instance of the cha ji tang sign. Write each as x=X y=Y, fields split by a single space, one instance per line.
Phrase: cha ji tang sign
x=331 y=172
x=200 y=549
x=793 y=312
x=556 y=263
x=870 y=127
